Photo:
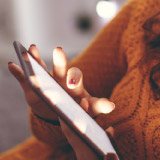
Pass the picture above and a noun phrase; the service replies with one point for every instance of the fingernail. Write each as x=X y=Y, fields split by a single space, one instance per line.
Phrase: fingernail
x=111 y=156
x=59 y=48
x=10 y=63
x=113 y=105
x=72 y=81
x=110 y=131
x=33 y=45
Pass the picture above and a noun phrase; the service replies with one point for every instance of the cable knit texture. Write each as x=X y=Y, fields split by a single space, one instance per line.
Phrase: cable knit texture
x=121 y=63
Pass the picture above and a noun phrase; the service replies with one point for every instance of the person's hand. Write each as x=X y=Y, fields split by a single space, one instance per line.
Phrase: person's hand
x=37 y=105
x=92 y=105
x=72 y=80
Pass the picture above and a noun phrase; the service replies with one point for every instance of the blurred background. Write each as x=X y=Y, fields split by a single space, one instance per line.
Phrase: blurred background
x=70 y=24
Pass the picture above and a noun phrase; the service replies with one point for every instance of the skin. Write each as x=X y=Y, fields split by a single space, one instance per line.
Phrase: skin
x=72 y=80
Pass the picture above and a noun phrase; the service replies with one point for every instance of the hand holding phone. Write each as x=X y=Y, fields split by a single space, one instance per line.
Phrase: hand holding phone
x=35 y=102
x=32 y=70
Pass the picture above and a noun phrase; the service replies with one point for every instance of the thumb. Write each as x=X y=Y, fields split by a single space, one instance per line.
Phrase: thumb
x=100 y=105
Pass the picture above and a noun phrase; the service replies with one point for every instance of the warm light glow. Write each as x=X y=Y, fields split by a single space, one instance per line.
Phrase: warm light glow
x=103 y=106
x=33 y=79
x=59 y=62
x=81 y=124
x=55 y=96
x=106 y=9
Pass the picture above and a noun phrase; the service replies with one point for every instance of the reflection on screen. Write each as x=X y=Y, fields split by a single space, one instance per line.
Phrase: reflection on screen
x=83 y=122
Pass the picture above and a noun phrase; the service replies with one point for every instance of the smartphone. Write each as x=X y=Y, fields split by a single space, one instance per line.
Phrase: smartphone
x=61 y=103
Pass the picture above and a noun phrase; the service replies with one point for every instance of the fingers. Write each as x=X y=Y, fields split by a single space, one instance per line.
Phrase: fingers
x=95 y=106
x=17 y=71
x=59 y=63
x=18 y=74
x=35 y=53
x=110 y=131
x=74 y=82
x=100 y=105
x=84 y=104
x=74 y=77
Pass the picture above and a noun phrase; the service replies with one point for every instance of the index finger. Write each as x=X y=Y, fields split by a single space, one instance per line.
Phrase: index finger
x=59 y=64
x=34 y=51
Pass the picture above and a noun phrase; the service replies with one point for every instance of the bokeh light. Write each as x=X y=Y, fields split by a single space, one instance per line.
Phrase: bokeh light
x=106 y=9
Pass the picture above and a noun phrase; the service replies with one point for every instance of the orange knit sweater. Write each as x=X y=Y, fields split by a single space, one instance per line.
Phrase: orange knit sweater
x=118 y=64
